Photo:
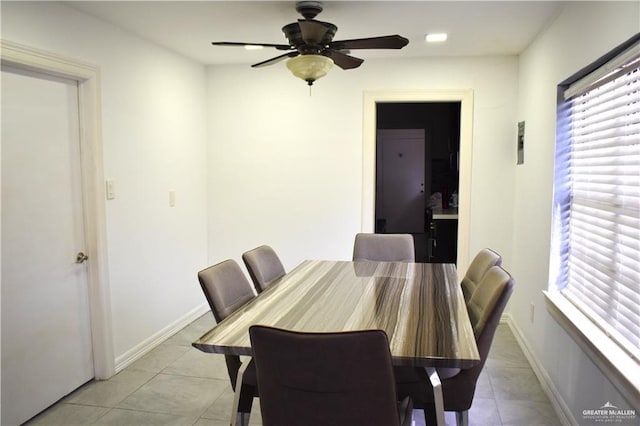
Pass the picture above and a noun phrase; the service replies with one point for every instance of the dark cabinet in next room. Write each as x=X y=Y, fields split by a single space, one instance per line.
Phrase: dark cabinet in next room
x=442 y=240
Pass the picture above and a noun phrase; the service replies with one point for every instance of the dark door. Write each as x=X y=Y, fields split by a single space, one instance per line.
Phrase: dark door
x=400 y=191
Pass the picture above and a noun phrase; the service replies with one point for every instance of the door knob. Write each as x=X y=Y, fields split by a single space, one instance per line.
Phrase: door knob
x=81 y=257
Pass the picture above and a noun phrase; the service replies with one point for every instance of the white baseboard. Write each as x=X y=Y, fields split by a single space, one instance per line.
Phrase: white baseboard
x=154 y=340
x=562 y=410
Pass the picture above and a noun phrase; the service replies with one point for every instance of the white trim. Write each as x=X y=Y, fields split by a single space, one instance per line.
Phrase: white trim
x=615 y=363
x=142 y=348
x=465 y=97
x=561 y=408
x=91 y=161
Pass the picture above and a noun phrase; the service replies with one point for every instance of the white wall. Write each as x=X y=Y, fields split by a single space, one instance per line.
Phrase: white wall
x=286 y=167
x=154 y=136
x=582 y=33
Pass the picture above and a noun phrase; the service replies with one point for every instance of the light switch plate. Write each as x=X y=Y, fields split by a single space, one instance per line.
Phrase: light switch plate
x=110 y=190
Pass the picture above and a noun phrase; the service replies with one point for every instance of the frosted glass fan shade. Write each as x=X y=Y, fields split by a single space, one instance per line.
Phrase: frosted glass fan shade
x=310 y=67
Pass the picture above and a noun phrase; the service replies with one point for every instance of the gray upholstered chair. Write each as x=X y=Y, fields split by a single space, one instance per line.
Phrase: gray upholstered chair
x=384 y=247
x=264 y=266
x=484 y=259
x=227 y=289
x=485 y=309
x=320 y=379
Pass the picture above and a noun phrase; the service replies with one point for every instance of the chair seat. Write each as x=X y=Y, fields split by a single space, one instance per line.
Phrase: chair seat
x=407 y=375
x=414 y=382
x=250 y=378
x=447 y=373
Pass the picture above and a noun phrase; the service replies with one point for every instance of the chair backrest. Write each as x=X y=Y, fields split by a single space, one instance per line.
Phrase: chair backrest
x=225 y=287
x=485 y=309
x=483 y=302
x=264 y=266
x=384 y=247
x=485 y=259
x=324 y=378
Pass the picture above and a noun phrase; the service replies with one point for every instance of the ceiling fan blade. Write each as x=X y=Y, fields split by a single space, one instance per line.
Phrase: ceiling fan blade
x=316 y=32
x=276 y=59
x=343 y=60
x=239 y=43
x=384 y=42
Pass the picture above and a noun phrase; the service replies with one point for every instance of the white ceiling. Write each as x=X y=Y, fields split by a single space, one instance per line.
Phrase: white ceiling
x=188 y=27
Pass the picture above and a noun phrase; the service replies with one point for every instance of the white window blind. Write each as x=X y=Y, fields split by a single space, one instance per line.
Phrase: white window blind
x=597 y=198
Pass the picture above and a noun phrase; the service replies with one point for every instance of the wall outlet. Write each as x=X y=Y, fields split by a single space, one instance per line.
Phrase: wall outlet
x=532 y=311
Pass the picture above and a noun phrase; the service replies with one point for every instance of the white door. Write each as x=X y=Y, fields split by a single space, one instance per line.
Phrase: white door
x=401 y=193
x=46 y=334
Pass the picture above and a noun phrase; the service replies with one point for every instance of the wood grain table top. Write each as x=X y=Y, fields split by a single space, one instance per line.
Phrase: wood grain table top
x=419 y=305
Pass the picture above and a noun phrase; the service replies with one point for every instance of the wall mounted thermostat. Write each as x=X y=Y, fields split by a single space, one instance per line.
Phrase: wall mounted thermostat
x=521 y=142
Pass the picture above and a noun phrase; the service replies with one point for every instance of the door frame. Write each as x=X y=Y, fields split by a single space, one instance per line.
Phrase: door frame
x=465 y=97
x=92 y=176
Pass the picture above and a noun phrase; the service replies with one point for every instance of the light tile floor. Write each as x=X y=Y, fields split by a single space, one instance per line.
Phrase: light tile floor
x=176 y=384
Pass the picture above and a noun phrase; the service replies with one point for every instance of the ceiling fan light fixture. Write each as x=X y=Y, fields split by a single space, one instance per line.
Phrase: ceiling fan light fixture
x=310 y=67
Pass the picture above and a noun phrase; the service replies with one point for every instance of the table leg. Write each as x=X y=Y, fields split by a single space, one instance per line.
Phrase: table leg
x=437 y=395
x=237 y=418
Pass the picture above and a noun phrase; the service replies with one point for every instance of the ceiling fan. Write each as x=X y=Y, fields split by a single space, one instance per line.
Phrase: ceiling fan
x=312 y=51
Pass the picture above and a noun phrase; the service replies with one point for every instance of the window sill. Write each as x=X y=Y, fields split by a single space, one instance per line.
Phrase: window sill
x=615 y=363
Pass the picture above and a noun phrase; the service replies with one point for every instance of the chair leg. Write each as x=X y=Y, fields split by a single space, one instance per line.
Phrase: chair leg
x=462 y=418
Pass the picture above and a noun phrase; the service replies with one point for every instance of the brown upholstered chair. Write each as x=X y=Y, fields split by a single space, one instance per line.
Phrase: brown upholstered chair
x=384 y=247
x=227 y=289
x=264 y=266
x=485 y=309
x=484 y=259
x=320 y=379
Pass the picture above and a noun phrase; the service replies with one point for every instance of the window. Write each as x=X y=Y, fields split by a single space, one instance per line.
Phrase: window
x=595 y=257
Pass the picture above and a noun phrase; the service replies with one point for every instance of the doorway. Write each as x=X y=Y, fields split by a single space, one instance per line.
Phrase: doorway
x=465 y=100
x=46 y=333
x=90 y=177
x=430 y=172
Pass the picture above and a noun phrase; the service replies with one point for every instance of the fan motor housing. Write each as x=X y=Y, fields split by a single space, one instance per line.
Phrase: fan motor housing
x=294 y=35
x=309 y=9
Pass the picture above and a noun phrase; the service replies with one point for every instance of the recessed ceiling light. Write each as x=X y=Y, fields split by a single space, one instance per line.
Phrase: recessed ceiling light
x=253 y=47
x=436 y=37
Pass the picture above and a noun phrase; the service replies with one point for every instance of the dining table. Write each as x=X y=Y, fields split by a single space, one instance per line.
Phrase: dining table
x=420 y=306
